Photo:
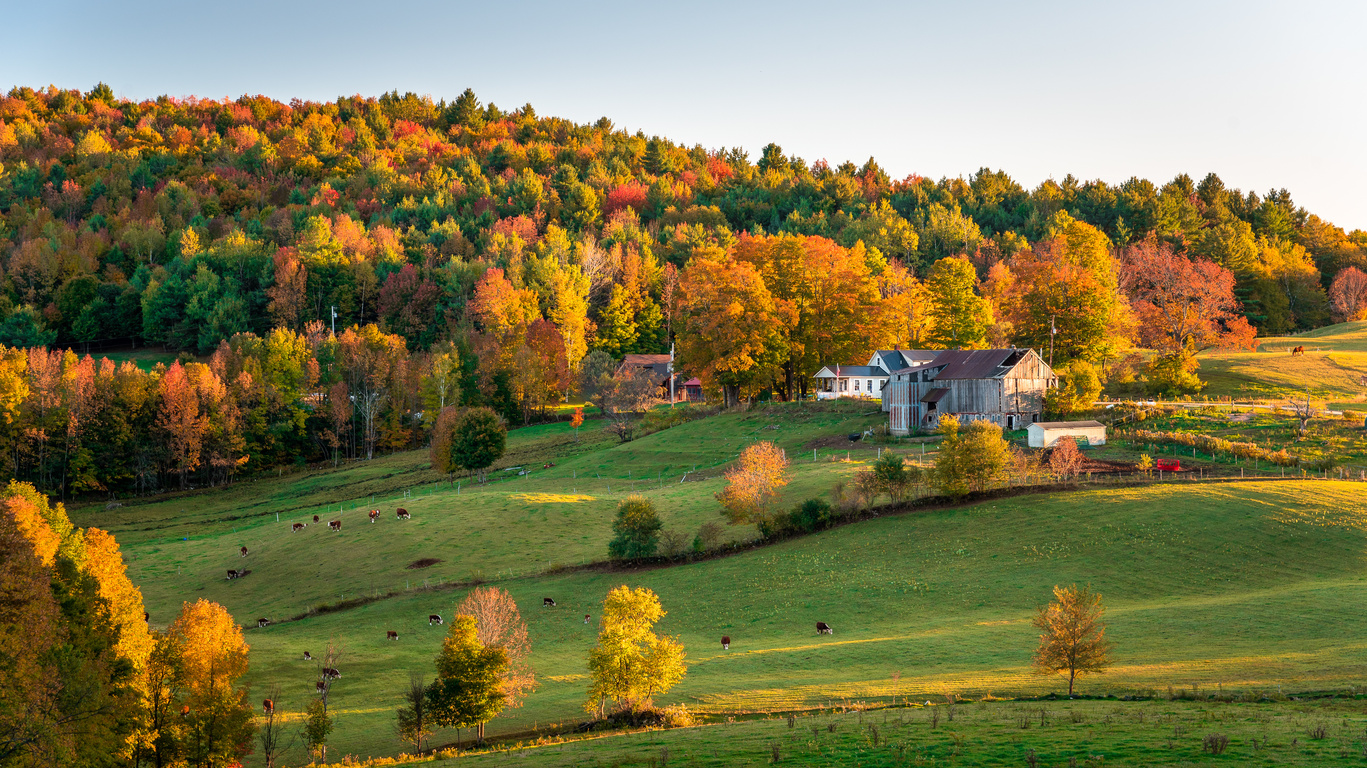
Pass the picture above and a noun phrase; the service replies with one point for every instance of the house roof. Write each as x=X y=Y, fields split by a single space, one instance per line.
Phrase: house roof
x=895 y=359
x=871 y=371
x=643 y=360
x=1065 y=425
x=693 y=382
x=934 y=395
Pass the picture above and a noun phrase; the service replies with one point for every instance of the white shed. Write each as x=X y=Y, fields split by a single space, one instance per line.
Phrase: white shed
x=1043 y=434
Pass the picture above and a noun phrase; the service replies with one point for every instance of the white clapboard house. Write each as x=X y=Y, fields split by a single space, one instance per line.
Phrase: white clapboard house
x=1004 y=386
x=866 y=381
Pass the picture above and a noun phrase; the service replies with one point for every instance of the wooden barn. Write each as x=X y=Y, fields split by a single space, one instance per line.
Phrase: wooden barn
x=1004 y=386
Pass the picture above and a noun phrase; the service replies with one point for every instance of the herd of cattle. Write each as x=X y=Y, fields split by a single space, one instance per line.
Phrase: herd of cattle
x=329 y=674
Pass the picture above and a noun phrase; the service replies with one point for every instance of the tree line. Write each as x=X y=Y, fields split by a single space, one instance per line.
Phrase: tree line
x=186 y=221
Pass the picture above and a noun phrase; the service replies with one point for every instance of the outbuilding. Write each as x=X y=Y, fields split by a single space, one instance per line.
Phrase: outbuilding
x=1043 y=434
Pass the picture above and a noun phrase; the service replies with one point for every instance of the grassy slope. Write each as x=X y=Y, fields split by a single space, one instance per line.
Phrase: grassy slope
x=1147 y=734
x=1246 y=585
x=1334 y=362
x=1250 y=585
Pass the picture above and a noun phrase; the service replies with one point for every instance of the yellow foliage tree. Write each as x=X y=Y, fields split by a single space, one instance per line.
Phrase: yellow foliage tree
x=213 y=659
x=105 y=563
x=631 y=664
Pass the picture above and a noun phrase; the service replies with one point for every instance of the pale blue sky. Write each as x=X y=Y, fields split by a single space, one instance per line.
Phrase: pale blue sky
x=1267 y=94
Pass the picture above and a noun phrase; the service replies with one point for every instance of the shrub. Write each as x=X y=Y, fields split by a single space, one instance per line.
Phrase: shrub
x=673 y=543
x=811 y=515
x=1215 y=743
x=753 y=482
x=636 y=531
x=709 y=537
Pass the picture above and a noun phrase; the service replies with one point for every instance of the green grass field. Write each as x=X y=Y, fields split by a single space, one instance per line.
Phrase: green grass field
x=1250 y=586
x=1091 y=733
x=1332 y=369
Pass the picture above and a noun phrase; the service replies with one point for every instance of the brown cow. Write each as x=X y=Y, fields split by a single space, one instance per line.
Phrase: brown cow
x=822 y=628
x=547 y=602
x=268 y=706
x=320 y=687
x=147 y=617
x=315 y=518
x=334 y=525
x=725 y=643
x=331 y=674
x=391 y=635
x=262 y=622
x=297 y=527
x=586 y=618
x=433 y=618
x=1297 y=351
x=402 y=514
x=374 y=515
x=308 y=656
x=244 y=551
x=235 y=574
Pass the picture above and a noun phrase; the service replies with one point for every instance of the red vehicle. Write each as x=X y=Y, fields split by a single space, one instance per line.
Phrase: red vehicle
x=1169 y=465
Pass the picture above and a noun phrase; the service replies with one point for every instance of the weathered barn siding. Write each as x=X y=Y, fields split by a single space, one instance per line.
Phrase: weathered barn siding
x=1006 y=387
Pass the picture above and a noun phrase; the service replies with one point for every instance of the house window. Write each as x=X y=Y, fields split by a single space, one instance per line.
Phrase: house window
x=868 y=385
x=856 y=385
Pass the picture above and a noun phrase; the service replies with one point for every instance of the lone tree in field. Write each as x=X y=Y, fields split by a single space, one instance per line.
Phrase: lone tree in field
x=577 y=421
x=478 y=439
x=631 y=664
x=317 y=727
x=414 y=718
x=636 y=531
x=499 y=624
x=753 y=482
x=468 y=690
x=1072 y=637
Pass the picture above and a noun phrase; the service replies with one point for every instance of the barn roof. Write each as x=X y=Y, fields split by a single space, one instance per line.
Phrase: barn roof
x=896 y=359
x=1053 y=425
x=977 y=363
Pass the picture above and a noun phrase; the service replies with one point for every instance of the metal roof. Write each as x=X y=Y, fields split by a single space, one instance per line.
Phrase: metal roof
x=1049 y=425
x=977 y=363
x=934 y=395
x=896 y=359
x=854 y=371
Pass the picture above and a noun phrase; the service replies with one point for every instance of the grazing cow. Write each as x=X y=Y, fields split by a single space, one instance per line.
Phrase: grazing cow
x=244 y=551
x=374 y=515
x=725 y=643
x=822 y=628
x=586 y=618
x=547 y=602
x=262 y=622
x=433 y=618
x=331 y=674
x=334 y=525
x=308 y=656
x=147 y=617
x=391 y=635
x=315 y=518
x=320 y=687
x=297 y=527
x=548 y=465
x=1297 y=351
x=268 y=706
x=402 y=514
x=232 y=574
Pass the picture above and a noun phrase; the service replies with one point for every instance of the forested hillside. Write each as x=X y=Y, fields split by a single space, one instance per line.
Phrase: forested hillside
x=476 y=255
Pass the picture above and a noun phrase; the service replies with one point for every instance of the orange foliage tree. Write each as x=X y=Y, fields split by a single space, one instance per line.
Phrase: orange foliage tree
x=500 y=625
x=753 y=482
x=180 y=421
x=212 y=662
x=1180 y=303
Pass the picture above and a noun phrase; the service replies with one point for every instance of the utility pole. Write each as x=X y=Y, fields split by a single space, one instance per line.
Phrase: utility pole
x=1053 y=331
x=671 y=375
x=334 y=327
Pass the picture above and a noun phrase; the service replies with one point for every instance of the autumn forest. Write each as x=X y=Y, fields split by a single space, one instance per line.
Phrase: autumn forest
x=335 y=274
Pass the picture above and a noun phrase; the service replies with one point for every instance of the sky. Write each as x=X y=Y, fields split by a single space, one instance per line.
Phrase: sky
x=1268 y=95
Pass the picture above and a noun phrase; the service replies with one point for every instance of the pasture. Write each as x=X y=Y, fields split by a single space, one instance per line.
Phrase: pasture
x=1249 y=586
x=1332 y=370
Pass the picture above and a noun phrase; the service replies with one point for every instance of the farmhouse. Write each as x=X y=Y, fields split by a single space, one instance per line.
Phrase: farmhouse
x=1044 y=434
x=1004 y=386
x=866 y=381
x=661 y=369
